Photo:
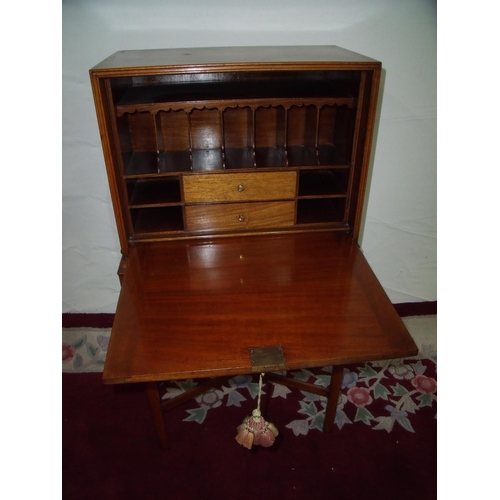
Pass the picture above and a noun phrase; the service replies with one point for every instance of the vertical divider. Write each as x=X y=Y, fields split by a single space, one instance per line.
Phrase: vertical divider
x=358 y=118
x=159 y=140
x=190 y=134
x=286 y=136
x=253 y=138
x=222 y=137
x=316 y=141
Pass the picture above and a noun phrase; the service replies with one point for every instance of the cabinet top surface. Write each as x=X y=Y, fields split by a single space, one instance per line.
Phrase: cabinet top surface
x=233 y=57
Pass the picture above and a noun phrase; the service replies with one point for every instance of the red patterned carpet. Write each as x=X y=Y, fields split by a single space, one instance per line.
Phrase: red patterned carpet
x=383 y=445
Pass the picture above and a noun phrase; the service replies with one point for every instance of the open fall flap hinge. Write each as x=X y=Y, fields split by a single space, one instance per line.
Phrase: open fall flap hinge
x=267 y=358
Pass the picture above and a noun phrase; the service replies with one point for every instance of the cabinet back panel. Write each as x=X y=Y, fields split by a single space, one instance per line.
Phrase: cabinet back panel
x=174 y=130
x=327 y=116
x=122 y=127
x=205 y=129
x=236 y=85
x=270 y=127
x=141 y=131
x=302 y=125
x=344 y=130
x=238 y=128
x=336 y=128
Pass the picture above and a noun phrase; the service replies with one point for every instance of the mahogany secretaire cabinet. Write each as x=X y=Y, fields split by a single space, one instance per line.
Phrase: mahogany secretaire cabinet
x=237 y=177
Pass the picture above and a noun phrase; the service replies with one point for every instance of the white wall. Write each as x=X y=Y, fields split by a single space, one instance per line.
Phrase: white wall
x=399 y=237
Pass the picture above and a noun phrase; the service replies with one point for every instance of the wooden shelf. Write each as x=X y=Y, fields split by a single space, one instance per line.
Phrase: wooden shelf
x=207 y=159
x=146 y=193
x=204 y=140
x=321 y=210
x=323 y=183
x=150 y=221
x=299 y=156
x=174 y=161
x=271 y=157
x=140 y=164
x=244 y=91
x=238 y=158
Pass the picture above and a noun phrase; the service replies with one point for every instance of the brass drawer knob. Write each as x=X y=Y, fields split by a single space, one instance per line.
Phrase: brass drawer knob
x=241 y=188
x=241 y=218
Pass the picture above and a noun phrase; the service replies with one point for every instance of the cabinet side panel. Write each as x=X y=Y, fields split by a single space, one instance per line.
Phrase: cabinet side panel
x=362 y=148
x=105 y=130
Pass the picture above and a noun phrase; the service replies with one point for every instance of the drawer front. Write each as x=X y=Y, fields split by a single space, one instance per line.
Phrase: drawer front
x=240 y=216
x=212 y=188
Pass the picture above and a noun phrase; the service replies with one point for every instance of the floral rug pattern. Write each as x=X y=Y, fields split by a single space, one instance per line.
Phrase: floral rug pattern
x=84 y=351
x=404 y=386
x=379 y=394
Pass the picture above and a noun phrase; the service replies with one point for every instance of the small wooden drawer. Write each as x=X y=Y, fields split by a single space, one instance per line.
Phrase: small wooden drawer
x=213 y=188
x=240 y=216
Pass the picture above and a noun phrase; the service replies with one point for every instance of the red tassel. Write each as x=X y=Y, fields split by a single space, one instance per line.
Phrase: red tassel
x=255 y=430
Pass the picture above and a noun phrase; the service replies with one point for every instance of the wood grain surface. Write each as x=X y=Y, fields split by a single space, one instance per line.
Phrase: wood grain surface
x=195 y=308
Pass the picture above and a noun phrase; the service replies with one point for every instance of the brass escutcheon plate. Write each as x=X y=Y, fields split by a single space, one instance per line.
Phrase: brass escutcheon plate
x=266 y=358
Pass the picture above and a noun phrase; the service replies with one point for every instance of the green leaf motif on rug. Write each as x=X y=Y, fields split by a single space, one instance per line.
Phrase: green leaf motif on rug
x=79 y=342
x=341 y=419
x=235 y=399
x=405 y=423
x=280 y=391
x=363 y=415
x=384 y=424
x=299 y=427
x=381 y=392
x=253 y=389
x=78 y=362
x=196 y=415
x=172 y=392
x=409 y=405
x=367 y=372
x=302 y=375
x=187 y=385
x=317 y=422
x=308 y=409
x=309 y=396
x=425 y=400
x=418 y=368
x=323 y=380
x=399 y=390
x=91 y=350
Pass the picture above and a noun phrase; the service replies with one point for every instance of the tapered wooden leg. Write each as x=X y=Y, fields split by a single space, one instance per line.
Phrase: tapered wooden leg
x=156 y=411
x=333 y=398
